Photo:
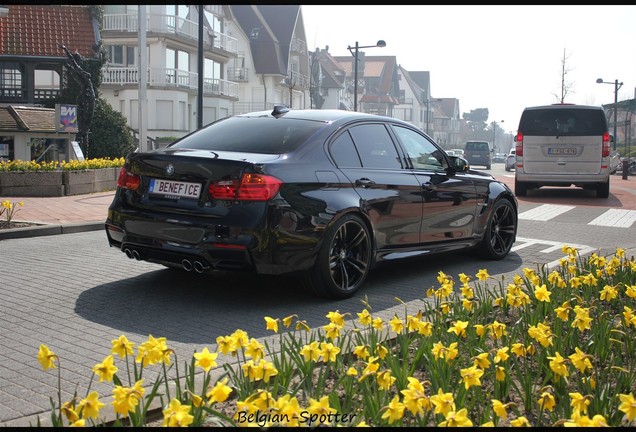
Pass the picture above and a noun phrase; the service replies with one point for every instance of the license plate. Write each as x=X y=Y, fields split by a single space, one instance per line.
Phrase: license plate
x=175 y=188
x=557 y=151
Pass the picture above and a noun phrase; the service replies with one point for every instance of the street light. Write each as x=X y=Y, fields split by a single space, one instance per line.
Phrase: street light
x=380 y=44
x=617 y=86
x=494 y=134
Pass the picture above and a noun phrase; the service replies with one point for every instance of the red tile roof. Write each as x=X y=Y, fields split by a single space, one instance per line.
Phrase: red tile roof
x=38 y=30
x=22 y=119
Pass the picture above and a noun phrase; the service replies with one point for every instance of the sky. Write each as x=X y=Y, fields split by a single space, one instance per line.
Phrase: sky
x=503 y=58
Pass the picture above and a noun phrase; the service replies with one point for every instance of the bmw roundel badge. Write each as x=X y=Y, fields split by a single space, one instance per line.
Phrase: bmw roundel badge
x=169 y=169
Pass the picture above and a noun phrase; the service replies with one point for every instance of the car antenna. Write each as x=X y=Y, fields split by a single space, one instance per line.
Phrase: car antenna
x=279 y=110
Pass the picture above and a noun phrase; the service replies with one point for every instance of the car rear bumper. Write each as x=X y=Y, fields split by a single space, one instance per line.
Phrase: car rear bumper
x=562 y=179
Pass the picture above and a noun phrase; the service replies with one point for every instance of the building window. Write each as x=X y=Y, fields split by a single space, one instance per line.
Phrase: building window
x=121 y=55
x=11 y=80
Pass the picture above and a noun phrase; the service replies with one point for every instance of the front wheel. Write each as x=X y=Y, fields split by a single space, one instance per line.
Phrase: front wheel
x=501 y=231
x=344 y=260
x=632 y=169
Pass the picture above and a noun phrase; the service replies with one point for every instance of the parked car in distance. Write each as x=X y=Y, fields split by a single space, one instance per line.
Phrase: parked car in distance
x=479 y=153
x=563 y=145
x=511 y=159
x=321 y=194
x=459 y=152
x=499 y=158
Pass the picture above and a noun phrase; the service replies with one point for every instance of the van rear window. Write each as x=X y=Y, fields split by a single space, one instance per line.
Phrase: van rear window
x=477 y=146
x=573 y=122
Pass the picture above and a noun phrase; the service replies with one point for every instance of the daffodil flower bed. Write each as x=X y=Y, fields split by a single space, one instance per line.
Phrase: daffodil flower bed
x=74 y=165
x=548 y=348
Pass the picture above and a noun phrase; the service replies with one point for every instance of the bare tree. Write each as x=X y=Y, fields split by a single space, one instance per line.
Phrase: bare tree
x=566 y=87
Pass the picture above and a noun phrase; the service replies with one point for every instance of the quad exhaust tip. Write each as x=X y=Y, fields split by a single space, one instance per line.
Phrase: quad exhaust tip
x=197 y=266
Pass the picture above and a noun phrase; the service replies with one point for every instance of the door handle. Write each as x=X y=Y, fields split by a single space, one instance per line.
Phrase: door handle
x=364 y=182
x=428 y=186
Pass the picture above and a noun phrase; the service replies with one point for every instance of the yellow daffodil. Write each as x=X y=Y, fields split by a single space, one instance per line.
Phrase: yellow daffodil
x=332 y=330
x=365 y=318
x=226 y=345
x=500 y=373
x=397 y=325
x=608 y=293
x=205 y=359
x=425 y=328
x=329 y=352
x=481 y=360
x=125 y=399
x=558 y=365
x=89 y=406
x=385 y=380
x=254 y=349
x=122 y=346
x=381 y=351
x=46 y=357
x=542 y=294
x=320 y=407
x=443 y=402
x=582 y=319
x=546 y=401
x=628 y=405
x=519 y=422
x=579 y=402
x=499 y=408
x=287 y=321
x=501 y=355
x=482 y=275
x=336 y=317
x=361 y=352
x=177 y=415
x=459 y=328
x=471 y=376
x=377 y=323
x=271 y=324
x=311 y=352
x=68 y=409
x=106 y=369
x=457 y=419
x=394 y=411
x=240 y=337
x=220 y=392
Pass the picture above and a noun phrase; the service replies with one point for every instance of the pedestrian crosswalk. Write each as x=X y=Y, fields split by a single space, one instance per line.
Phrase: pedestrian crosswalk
x=617 y=218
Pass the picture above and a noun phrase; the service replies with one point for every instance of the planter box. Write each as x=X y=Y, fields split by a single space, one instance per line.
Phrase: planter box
x=86 y=182
x=57 y=183
x=31 y=184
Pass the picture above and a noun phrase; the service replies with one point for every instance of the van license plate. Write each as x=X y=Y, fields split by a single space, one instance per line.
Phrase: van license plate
x=556 y=151
x=175 y=188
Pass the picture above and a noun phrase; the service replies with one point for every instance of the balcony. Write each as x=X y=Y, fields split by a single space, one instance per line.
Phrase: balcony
x=170 y=25
x=168 y=78
x=238 y=74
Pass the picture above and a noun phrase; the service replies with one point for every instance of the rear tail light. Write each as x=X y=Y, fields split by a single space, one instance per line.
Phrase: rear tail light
x=251 y=187
x=519 y=146
x=128 y=180
x=606 y=144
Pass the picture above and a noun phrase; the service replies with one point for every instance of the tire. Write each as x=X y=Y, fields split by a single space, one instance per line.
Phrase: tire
x=631 y=170
x=521 y=189
x=344 y=260
x=602 y=190
x=507 y=168
x=500 y=232
x=488 y=166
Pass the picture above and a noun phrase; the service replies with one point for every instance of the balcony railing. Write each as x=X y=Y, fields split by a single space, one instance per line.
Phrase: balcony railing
x=239 y=74
x=169 y=24
x=174 y=78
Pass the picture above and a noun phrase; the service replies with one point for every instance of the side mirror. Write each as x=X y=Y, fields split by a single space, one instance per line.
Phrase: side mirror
x=611 y=138
x=514 y=138
x=459 y=164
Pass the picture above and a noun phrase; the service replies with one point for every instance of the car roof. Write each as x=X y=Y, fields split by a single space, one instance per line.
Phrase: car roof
x=564 y=106
x=326 y=115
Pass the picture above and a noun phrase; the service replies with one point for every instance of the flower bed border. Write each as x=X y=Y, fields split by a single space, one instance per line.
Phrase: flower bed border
x=57 y=183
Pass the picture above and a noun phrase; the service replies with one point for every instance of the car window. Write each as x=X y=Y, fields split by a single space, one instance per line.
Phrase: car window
x=423 y=153
x=251 y=135
x=375 y=146
x=480 y=146
x=562 y=121
x=344 y=152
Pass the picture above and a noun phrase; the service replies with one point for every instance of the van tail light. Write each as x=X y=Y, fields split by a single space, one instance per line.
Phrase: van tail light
x=128 y=180
x=519 y=146
x=250 y=187
x=606 y=144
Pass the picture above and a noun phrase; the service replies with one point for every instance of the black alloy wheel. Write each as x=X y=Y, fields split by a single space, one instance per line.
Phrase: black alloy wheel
x=500 y=232
x=344 y=261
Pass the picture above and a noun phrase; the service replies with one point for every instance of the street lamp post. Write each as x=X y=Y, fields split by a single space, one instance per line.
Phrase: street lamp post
x=354 y=53
x=617 y=86
x=494 y=134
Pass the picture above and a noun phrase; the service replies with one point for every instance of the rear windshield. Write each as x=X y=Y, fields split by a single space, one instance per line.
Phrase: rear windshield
x=563 y=121
x=251 y=135
x=483 y=146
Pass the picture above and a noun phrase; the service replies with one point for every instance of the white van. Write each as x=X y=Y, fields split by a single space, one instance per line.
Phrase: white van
x=563 y=145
